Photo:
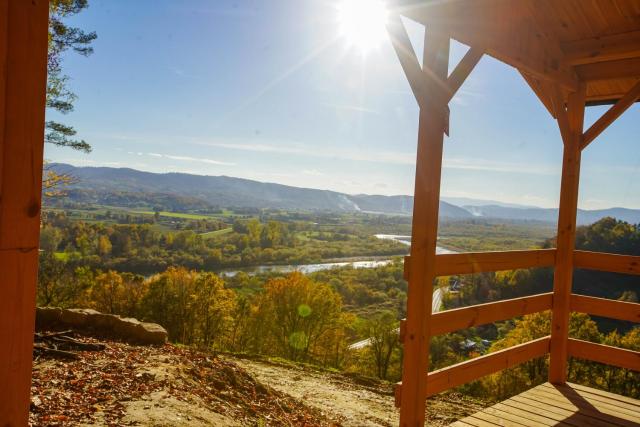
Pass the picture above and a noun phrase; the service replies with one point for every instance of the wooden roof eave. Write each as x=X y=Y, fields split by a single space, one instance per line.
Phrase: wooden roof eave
x=525 y=36
x=505 y=33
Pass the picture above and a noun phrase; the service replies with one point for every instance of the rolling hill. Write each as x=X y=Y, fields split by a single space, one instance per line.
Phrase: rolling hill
x=104 y=185
x=181 y=191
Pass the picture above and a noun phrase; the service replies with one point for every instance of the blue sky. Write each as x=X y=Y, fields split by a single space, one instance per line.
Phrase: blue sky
x=272 y=91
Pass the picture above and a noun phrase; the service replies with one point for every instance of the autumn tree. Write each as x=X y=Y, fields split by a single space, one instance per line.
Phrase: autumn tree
x=382 y=331
x=108 y=293
x=299 y=312
x=214 y=305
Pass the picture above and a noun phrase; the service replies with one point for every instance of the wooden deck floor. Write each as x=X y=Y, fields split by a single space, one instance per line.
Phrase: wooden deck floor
x=569 y=405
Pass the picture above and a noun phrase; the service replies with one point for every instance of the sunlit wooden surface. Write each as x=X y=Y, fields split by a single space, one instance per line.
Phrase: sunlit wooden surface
x=559 y=405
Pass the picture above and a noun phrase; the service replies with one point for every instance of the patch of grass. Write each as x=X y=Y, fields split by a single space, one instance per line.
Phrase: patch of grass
x=62 y=256
x=211 y=234
x=176 y=215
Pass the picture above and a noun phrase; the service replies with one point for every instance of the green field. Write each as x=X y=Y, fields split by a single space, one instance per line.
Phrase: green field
x=176 y=215
x=211 y=234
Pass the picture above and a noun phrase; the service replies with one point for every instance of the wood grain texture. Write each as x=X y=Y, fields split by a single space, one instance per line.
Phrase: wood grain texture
x=606 y=354
x=23 y=67
x=563 y=273
x=560 y=405
x=611 y=115
x=479 y=262
x=621 y=310
x=467 y=371
x=601 y=261
x=598 y=49
x=424 y=232
x=481 y=314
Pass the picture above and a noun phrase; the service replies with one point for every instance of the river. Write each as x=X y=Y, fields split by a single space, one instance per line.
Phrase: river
x=372 y=262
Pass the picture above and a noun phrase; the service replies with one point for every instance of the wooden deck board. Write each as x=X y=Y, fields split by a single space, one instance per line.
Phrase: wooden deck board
x=570 y=405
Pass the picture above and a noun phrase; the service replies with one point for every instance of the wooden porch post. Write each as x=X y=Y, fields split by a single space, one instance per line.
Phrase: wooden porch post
x=571 y=123
x=425 y=230
x=23 y=75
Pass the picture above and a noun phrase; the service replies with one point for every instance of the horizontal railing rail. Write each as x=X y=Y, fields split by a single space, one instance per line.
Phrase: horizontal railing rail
x=481 y=314
x=469 y=370
x=626 y=264
x=606 y=354
x=481 y=262
x=619 y=310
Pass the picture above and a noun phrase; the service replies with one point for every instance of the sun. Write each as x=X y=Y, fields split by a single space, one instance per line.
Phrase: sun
x=362 y=23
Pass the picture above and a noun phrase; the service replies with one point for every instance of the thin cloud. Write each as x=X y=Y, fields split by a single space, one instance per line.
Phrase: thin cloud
x=191 y=159
x=389 y=157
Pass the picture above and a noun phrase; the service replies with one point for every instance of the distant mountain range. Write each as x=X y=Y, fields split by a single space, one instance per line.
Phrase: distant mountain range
x=134 y=188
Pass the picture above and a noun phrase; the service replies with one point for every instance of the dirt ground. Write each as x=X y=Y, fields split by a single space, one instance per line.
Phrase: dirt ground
x=169 y=385
x=353 y=402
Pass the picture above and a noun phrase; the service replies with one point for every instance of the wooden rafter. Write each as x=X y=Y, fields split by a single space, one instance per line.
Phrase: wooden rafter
x=598 y=49
x=503 y=31
x=611 y=115
x=620 y=69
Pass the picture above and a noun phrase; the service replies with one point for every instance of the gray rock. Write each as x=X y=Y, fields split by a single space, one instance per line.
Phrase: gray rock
x=84 y=319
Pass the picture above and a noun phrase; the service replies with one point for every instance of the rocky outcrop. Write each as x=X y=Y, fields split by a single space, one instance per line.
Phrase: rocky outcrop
x=124 y=328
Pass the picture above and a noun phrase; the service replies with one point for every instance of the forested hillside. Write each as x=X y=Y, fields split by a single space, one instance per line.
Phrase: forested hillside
x=313 y=318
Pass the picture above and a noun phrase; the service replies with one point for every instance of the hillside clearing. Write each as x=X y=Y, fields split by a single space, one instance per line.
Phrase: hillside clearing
x=354 y=401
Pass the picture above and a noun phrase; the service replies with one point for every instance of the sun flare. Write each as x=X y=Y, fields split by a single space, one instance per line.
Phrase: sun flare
x=362 y=23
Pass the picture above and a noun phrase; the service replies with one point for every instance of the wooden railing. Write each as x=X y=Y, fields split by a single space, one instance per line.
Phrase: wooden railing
x=469 y=370
x=625 y=264
x=467 y=317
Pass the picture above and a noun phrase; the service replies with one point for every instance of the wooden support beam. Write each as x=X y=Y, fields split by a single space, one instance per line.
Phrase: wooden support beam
x=463 y=69
x=563 y=274
x=559 y=108
x=479 y=262
x=503 y=29
x=424 y=233
x=540 y=89
x=606 y=354
x=407 y=57
x=23 y=76
x=621 y=69
x=470 y=370
x=620 y=310
x=599 y=49
x=611 y=115
x=481 y=314
x=626 y=264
